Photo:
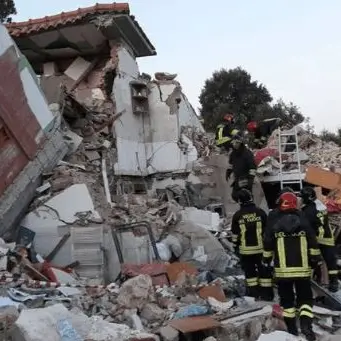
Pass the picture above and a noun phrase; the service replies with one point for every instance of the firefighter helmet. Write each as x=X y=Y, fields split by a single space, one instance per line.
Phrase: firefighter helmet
x=288 y=201
x=308 y=194
x=244 y=196
x=284 y=190
x=229 y=117
x=251 y=126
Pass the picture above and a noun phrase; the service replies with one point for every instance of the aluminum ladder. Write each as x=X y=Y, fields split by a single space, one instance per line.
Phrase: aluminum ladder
x=288 y=178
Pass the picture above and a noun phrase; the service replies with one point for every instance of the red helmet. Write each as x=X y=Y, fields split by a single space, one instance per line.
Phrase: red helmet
x=251 y=126
x=287 y=201
x=228 y=117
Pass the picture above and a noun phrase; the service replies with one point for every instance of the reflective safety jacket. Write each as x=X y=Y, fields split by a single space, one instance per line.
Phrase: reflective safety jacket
x=224 y=134
x=319 y=221
x=292 y=245
x=243 y=163
x=264 y=130
x=247 y=229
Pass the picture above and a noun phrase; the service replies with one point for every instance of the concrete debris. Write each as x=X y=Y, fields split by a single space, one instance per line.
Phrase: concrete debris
x=204 y=144
x=168 y=333
x=129 y=200
x=164 y=76
x=135 y=292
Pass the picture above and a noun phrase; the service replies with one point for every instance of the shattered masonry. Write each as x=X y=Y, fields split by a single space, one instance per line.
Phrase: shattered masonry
x=108 y=176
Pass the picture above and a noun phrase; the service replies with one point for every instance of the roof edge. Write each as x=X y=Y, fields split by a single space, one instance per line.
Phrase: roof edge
x=114 y=7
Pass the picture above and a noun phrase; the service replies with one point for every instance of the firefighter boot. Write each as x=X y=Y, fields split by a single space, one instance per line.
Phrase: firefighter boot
x=333 y=283
x=291 y=325
x=307 y=328
x=267 y=294
x=253 y=291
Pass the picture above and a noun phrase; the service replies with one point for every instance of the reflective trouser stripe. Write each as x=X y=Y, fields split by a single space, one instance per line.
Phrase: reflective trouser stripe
x=314 y=252
x=289 y=312
x=265 y=282
x=252 y=282
x=333 y=272
x=267 y=254
x=306 y=310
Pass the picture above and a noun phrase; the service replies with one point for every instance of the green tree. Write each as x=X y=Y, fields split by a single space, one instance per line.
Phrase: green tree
x=231 y=91
x=234 y=91
x=7 y=9
x=328 y=136
x=290 y=114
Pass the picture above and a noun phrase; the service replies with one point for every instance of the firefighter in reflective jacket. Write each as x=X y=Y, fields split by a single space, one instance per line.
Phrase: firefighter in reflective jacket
x=325 y=236
x=247 y=236
x=243 y=167
x=225 y=132
x=262 y=130
x=292 y=246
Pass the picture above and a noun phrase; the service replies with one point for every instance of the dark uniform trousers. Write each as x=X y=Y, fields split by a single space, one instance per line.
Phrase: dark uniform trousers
x=303 y=305
x=258 y=279
x=243 y=169
x=329 y=256
x=325 y=238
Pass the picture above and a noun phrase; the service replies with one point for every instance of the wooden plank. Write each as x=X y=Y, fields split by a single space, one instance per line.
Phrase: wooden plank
x=324 y=178
x=194 y=324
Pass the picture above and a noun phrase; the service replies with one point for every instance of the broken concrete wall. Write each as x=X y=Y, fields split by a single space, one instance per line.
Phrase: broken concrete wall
x=187 y=115
x=129 y=128
x=151 y=144
x=36 y=131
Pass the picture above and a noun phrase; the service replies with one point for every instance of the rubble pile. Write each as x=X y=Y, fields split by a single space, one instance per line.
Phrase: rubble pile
x=323 y=154
x=203 y=142
x=137 y=310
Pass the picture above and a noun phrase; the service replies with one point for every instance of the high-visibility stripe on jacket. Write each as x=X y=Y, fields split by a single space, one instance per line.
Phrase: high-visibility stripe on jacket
x=225 y=134
x=320 y=223
x=292 y=247
x=247 y=229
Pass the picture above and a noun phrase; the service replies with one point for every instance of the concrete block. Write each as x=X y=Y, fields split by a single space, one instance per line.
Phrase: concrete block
x=206 y=219
x=77 y=69
x=168 y=333
x=50 y=69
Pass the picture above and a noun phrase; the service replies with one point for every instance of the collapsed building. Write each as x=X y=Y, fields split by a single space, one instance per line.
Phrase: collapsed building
x=109 y=176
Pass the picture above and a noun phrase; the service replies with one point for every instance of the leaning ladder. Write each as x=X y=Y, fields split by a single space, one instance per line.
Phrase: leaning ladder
x=288 y=178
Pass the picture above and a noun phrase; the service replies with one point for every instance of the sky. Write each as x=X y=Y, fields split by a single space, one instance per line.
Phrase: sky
x=292 y=47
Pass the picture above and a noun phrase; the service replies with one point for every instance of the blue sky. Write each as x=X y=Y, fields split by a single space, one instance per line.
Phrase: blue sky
x=291 y=46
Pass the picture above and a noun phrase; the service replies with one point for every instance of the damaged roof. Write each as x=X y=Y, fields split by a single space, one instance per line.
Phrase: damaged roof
x=121 y=11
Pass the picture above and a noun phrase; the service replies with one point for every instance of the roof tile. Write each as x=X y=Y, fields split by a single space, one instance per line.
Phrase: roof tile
x=33 y=26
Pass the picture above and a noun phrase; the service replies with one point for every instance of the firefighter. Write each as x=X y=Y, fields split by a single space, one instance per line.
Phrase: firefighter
x=247 y=236
x=273 y=214
x=262 y=130
x=225 y=132
x=292 y=246
x=243 y=167
x=325 y=236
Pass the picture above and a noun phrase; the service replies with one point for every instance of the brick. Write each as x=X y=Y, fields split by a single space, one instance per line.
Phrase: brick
x=61 y=183
x=214 y=291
